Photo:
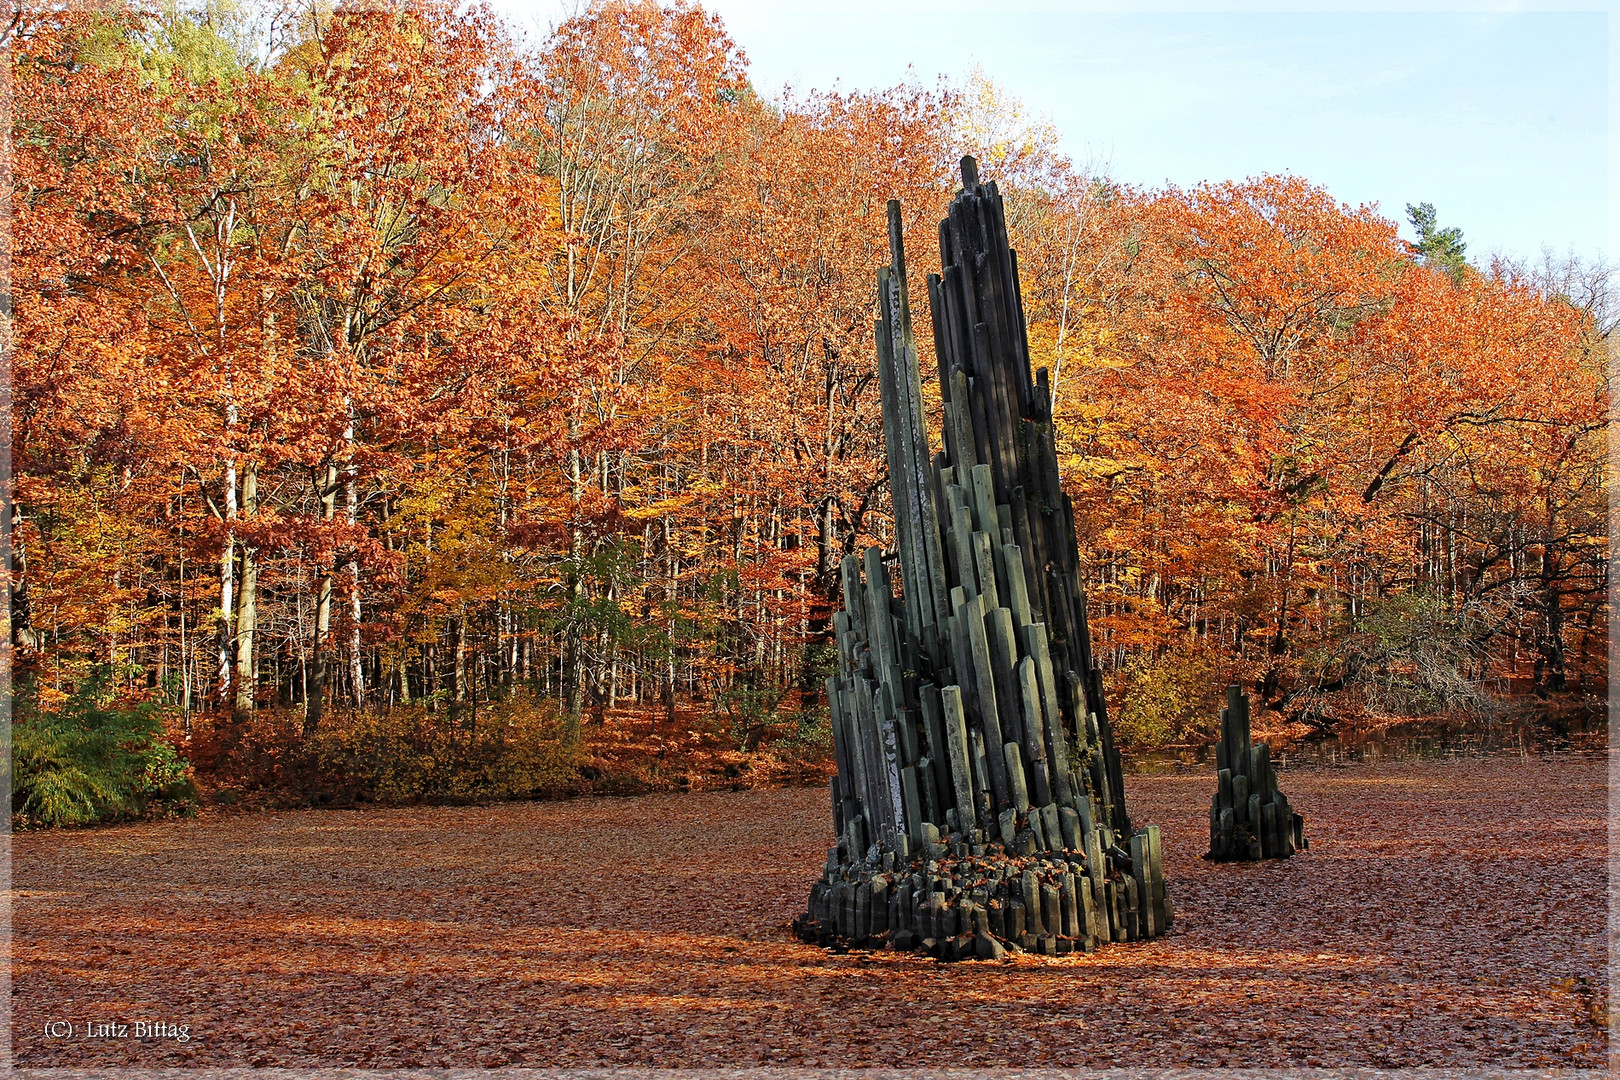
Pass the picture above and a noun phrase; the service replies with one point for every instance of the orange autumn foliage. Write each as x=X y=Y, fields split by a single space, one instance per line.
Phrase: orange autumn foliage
x=394 y=363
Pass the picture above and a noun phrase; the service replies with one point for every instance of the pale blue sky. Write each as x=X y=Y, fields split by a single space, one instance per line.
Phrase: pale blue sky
x=1500 y=118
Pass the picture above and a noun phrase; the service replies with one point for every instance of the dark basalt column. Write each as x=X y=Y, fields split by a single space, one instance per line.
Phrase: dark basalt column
x=1249 y=819
x=979 y=804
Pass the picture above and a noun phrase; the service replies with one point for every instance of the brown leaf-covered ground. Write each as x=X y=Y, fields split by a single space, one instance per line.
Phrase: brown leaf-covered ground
x=1446 y=913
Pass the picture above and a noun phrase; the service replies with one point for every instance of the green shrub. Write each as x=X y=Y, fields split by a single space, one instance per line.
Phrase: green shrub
x=1411 y=655
x=516 y=747
x=1168 y=698
x=813 y=729
x=746 y=713
x=88 y=760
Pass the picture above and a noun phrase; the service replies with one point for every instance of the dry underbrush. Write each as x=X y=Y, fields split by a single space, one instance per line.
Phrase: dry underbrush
x=522 y=747
x=643 y=750
x=515 y=748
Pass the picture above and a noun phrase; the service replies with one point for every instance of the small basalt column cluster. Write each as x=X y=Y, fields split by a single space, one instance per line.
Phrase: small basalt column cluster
x=978 y=801
x=1249 y=819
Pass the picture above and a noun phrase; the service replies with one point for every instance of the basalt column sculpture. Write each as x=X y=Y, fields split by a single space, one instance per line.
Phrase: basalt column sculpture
x=978 y=802
x=1249 y=819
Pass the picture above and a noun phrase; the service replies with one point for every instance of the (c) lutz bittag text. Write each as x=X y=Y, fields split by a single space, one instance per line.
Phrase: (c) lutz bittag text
x=118 y=1029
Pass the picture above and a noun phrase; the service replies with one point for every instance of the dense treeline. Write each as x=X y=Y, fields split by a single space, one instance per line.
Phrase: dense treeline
x=370 y=358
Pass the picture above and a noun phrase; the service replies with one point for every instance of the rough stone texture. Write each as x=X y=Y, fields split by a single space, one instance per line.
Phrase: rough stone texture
x=972 y=631
x=1249 y=819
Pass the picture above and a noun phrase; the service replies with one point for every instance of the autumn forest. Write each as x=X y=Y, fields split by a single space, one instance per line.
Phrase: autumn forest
x=377 y=362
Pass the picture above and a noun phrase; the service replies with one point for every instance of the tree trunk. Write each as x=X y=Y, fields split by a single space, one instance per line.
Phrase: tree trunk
x=227 y=583
x=461 y=656
x=1550 y=667
x=247 y=608
x=430 y=673
x=351 y=504
x=671 y=601
x=573 y=653
x=23 y=635
x=315 y=679
x=357 y=676
x=185 y=642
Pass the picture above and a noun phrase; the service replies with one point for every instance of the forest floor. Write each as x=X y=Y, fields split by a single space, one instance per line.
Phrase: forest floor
x=1447 y=913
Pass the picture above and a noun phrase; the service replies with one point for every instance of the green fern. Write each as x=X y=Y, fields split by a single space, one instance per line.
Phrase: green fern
x=87 y=761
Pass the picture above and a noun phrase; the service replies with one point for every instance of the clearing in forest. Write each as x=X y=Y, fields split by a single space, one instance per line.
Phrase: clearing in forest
x=1447 y=913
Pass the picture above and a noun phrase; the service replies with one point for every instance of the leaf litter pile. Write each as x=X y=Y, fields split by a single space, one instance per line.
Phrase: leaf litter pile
x=1447 y=914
